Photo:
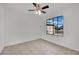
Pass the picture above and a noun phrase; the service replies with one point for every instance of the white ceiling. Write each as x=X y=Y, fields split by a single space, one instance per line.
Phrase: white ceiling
x=54 y=8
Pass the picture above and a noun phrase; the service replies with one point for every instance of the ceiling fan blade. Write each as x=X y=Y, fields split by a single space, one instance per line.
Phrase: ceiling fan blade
x=34 y=4
x=45 y=7
x=43 y=12
x=31 y=10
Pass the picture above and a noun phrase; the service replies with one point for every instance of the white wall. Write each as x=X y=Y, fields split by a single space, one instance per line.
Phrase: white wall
x=20 y=26
x=71 y=28
x=1 y=27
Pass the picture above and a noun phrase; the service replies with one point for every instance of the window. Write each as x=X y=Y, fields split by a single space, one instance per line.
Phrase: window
x=54 y=26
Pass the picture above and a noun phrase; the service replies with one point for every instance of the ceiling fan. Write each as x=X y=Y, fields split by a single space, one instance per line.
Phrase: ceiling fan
x=38 y=9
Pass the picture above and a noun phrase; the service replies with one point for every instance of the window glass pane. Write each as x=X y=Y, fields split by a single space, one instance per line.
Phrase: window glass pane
x=50 y=21
x=50 y=29
x=60 y=25
x=55 y=26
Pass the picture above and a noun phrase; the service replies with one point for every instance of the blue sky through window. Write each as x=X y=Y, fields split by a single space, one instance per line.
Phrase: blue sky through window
x=57 y=20
x=50 y=21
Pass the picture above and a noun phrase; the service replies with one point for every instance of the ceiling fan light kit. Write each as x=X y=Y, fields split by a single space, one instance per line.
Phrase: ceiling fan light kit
x=38 y=12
